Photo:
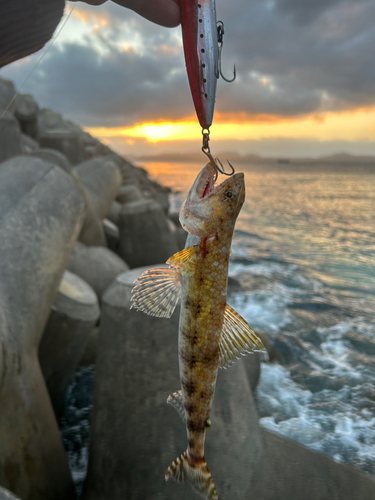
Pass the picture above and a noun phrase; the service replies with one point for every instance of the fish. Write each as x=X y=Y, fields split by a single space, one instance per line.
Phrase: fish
x=211 y=334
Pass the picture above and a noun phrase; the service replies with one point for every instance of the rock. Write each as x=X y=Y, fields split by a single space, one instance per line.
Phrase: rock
x=98 y=266
x=135 y=435
x=41 y=212
x=7 y=93
x=112 y=235
x=298 y=472
x=65 y=141
x=114 y=212
x=24 y=29
x=7 y=495
x=10 y=137
x=28 y=145
x=145 y=237
x=102 y=179
x=53 y=156
x=73 y=316
x=27 y=114
x=129 y=193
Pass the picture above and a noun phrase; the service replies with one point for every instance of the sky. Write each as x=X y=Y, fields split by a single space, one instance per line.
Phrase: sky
x=305 y=79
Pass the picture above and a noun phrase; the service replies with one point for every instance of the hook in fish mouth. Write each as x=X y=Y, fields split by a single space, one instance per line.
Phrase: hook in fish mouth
x=205 y=183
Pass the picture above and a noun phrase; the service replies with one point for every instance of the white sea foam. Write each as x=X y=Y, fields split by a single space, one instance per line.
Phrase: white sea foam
x=340 y=430
x=265 y=309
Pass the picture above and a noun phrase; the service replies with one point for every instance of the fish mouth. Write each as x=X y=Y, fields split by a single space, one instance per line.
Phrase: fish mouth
x=204 y=184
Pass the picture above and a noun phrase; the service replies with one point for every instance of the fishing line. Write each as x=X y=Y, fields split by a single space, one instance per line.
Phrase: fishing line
x=39 y=61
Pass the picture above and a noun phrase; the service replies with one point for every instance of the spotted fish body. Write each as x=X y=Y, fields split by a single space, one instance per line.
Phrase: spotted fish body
x=211 y=333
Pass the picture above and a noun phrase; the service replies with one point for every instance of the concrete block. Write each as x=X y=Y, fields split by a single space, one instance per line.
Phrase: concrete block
x=289 y=470
x=101 y=178
x=135 y=435
x=48 y=119
x=129 y=193
x=41 y=213
x=66 y=141
x=112 y=235
x=26 y=113
x=114 y=212
x=10 y=137
x=145 y=237
x=98 y=266
x=53 y=156
x=92 y=232
x=28 y=144
x=7 y=93
x=73 y=316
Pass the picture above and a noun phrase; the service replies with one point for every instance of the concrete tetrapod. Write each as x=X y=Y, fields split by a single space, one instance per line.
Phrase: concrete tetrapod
x=98 y=266
x=10 y=137
x=129 y=193
x=145 y=236
x=102 y=179
x=27 y=114
x=41 y=212
x=73 y=316
x=135 y=435
x=92 y=229
x=112 y=234
x=114 y=212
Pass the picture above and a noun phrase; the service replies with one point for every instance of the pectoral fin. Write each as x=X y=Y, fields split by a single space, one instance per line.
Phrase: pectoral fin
x=237 y=339
x=184 y=260
x=157 y=292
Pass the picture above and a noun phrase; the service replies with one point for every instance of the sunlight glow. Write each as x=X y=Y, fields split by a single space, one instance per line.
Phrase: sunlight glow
x=348 y=126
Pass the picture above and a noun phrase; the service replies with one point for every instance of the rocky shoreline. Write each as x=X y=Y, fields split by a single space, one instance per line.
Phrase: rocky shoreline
x=78 y=223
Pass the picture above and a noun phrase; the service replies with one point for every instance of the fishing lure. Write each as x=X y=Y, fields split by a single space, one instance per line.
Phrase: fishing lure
x=203 y=42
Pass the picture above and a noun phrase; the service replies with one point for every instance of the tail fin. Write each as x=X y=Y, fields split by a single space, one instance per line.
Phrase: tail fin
x=199 y=476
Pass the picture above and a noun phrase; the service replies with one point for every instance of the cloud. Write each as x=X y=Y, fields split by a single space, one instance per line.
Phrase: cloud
x=305 y=12
x=293 y=58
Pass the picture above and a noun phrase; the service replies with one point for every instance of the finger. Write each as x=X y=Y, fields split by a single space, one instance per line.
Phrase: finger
x=91 y=2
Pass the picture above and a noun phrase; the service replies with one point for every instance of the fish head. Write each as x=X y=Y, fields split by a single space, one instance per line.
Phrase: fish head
x=207 y=207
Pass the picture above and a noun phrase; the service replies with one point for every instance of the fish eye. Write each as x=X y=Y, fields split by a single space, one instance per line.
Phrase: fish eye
x=229 y=194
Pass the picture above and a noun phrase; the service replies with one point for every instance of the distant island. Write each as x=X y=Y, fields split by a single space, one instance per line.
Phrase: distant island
x=338 y=158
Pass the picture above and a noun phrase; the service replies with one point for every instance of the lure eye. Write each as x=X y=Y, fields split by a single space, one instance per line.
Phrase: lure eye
x=229 y=194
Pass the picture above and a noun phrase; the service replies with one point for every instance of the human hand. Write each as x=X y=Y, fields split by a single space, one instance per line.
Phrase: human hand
x=163 y=12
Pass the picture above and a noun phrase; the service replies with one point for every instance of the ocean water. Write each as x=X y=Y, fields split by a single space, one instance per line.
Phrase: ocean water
x=304 y=254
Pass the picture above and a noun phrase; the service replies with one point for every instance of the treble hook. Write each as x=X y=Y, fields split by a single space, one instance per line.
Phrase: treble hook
x=215 y=162
x=220 y=41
